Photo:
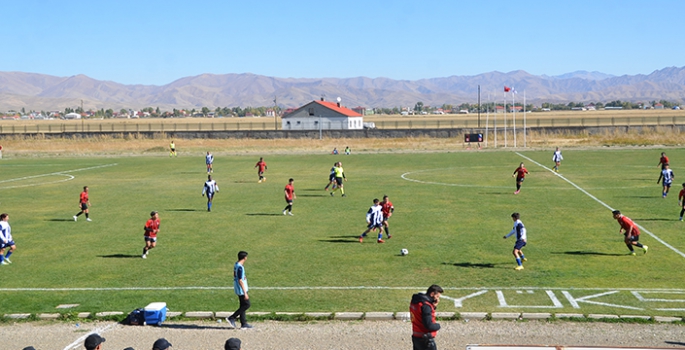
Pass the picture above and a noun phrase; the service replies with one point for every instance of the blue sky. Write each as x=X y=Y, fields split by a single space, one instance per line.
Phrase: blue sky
x=157 y=42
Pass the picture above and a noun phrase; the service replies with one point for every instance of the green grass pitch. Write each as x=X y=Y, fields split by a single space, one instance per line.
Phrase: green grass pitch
x=452 y=210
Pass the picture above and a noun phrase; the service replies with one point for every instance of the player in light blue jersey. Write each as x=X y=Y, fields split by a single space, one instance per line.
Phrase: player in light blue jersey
x=209 y=160
x=6 y=240
x=374 y=220
x=520 y=232
x=210 y=189
x=667 y=176
x=240 y=288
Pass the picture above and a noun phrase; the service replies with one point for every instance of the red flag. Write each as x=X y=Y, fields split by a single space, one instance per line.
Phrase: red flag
x=506 y=88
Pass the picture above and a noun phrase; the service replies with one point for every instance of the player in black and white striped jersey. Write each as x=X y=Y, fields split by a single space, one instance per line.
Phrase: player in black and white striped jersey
x=210 y=188
x=374 y=220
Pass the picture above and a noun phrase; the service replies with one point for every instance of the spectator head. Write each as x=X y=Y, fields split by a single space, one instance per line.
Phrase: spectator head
x=94 y=342
x=232 y=344
x=161 y=344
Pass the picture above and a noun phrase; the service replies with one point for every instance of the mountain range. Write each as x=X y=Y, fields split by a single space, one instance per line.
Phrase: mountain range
x=34 y=91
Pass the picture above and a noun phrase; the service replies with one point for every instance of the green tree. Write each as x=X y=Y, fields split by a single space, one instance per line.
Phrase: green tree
x=418 y=107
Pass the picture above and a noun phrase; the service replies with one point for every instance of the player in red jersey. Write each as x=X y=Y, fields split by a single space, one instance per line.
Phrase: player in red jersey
x=151 y=230
x=681 y=201
x=261 y=168
x=630 y=231
x=387 y=208
x=83 y=204
x=663 y=160
x=289 y=196
x=520 y=174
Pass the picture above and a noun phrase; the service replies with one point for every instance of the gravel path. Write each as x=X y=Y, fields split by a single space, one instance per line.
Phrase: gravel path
x=382 y=335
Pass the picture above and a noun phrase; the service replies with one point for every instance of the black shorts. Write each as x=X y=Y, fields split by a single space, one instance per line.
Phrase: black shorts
x=634 y=238
x=520 y=179
x=372 y=225
x=289 y=201
x=339 y=181
x=331 y=178
x=84 y=206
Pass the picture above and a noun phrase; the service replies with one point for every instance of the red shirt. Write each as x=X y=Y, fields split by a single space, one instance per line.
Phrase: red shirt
x=387 y=208
x=84 y=197
x=681 y=194
x=289 y=191
x=520 y=172
x=151 y=228
x=626 y=224
x=663 y=160
x=261 y=165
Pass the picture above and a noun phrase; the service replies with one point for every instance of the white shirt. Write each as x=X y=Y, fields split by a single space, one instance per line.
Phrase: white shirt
x=519 y=230
x=557 y=156
x=375 y=215
x=210 y=187
x=5 y=232
x=209 y=159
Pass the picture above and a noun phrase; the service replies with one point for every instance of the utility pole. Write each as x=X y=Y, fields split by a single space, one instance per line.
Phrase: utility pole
x=478 y=106
x=275 y=114
x=82 y=126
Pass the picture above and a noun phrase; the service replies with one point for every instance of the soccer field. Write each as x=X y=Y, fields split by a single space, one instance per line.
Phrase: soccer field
x=452 y=210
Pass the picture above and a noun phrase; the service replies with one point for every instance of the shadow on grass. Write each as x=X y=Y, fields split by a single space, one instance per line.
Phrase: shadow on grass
x=119 y=256
x=581 y=252
x=643 y=197
x=674 y=343
x=263 y=214
x=193 y=326
x=472 y=265
x=311 y=190
x=184 y=209
x=341 y=239
x=243 y=182
x=72 y=219
x=497 y=193
x=313 y=195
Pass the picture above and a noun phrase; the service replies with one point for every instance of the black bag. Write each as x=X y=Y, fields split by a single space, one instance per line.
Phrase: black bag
x=136 y=317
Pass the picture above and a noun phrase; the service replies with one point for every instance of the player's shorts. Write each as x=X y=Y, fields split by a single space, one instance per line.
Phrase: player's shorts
x=668 y=184
x=519 y=244
x=520 y=179
x=339 y=181
x=331 y=178
x=634 y=238
x=260 y=173
x=386 y=218
x=150 y=239
x=210 y=195
x=6 y=245
x=289 y=201
x=173 y=150
x=374 y=225
x=84 y=206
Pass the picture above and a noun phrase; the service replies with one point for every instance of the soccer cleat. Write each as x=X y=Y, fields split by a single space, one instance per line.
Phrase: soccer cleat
x=246 y=326
x=517 y=191
x=644 y=249
x=381 y=241
x=144 y=256
x=75 y=218
x=681 y=218
x=260 y=181
x=389 y=236
x=5 y=262
x=8 y=261
x=290 y=213
x=344 y=195
x=518 y=268
x=88 y=219
x=632 y=253
x=284 y=212
x=524 y=259
x=231 y=322
x=361 y=240
x=332 y=194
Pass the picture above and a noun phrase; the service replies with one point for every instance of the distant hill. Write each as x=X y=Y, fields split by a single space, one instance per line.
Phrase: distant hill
x=34 y=91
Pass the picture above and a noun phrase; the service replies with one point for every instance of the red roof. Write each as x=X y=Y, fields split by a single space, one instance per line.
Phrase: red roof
x=342 y=110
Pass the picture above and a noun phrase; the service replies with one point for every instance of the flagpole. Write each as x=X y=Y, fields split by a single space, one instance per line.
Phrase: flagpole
x=495 y=106
x=487 y=121
x=505 y=120
x=524 y=118
x=513 y=105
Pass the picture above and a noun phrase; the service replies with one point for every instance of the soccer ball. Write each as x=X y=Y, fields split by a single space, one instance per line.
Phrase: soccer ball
x=404 y=252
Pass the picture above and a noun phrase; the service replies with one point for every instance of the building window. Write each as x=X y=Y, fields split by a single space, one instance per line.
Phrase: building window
x=311 y=110
x=298 y=122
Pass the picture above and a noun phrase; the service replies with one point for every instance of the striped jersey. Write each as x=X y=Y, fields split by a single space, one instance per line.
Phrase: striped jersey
x=519 y=230
x=667 y=174
x=557 y=157
x=5 y=232
x=375 y=215
x=210 y=187
x=209 y=159
x=239 y=275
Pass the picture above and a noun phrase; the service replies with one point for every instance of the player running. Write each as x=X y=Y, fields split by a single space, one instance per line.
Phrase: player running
x=151 y=230
x=289 y=196
x=630 y=231
x=520 y=232
x=374 y=220
x=83 y=204
x=668 y=176
x=387 y=209
x=520 y=174
x=663 y=161
x=557 y=158
x=339 y=179
x=331 y=178
x=261 y=165
x=210 y=189
x=6 y=240
x=681 y=201
x=172 y=149
x=209 y=160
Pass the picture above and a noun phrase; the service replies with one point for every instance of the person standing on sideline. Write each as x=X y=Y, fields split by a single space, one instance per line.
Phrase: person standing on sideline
x=210 y=188
x=172 y=149
x=240 y=287
x=151 y=231
x=387 y=208
x=681 y=201
x=374 y=220
x=331 y=178
x=83 y=204
x=422 y=312
x=348 y=151
x=520 y=232
x=520 y=174
x=630 y=231
x=289 y=196
x=209 y=160
x=668 y=176
x=6 y=239
x=557 y=158
x=339 y=178
x=261 y=168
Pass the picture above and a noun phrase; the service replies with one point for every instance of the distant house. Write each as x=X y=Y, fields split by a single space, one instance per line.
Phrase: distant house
x=72 y=116
x=659 y=106
x=499 y=109
x=516 y=109
x=591 y=107
x=270 y=113
x=322 y=114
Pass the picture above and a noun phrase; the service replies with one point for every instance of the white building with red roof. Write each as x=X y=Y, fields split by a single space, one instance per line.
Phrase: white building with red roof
x=323 y=115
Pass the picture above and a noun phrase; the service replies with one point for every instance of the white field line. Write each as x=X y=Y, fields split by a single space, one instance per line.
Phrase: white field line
x=103 y=289
x=62 y=173
x=604 y=204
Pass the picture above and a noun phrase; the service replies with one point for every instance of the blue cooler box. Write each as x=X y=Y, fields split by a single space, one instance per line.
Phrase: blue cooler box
x=155 y=313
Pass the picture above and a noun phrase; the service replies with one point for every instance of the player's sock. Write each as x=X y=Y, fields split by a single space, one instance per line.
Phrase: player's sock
x=342 y=190
x=387 y=231
x=144 y=250
x=380 y=235
x=523 y=257
x=2 y=258
x=209 y=205
x=518 y=187
x=7 y=256
x=639 y=245
x=682 y=211
x=630 y=247
x=79 y=213
x=518 y=261
x=86 y=215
